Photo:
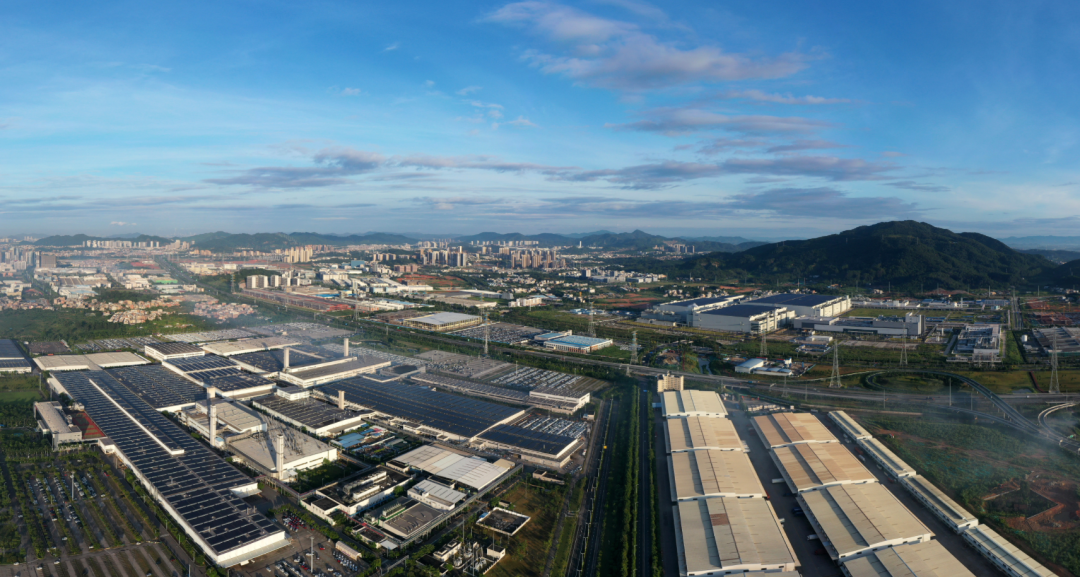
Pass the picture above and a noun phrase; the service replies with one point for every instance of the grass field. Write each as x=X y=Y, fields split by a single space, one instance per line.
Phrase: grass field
x=969 y=461
x=9 y=396
x=529 y=547
x=18 y=383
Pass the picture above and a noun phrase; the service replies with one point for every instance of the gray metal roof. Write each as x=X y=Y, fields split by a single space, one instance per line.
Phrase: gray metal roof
x=730 y=534
x=927 y=559
x=796 y=300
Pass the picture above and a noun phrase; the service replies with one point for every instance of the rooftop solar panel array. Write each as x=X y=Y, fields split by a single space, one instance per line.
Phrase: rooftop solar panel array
x=216 y=373
x=193 y=364
x=313 y=414
x=159 y=386
x=174 y=348
x=274 y=361
x=10 y=351
x=197 y=484
x=460 y=416
x=14 y=364
x=527 y=439
x=237 y=382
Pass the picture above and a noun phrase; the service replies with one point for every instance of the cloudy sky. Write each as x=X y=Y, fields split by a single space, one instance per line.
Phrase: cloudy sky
x=768 y=120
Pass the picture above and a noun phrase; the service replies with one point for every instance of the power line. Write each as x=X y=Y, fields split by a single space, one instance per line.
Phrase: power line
x=834 y=380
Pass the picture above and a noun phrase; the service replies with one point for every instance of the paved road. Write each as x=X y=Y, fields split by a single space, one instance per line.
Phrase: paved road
x=668 y=547
x=584 y=551
x=645 y=495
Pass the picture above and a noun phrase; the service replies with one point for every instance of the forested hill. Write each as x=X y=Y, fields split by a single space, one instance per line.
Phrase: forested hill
x=907 y=254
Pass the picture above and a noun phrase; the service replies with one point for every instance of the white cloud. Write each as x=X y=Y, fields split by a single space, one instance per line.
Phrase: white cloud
x=618 y=55
x=522 y=122
x=469 y=90
x=351 y=92
x=761 y=96
x=391 y=47
x=121 y=223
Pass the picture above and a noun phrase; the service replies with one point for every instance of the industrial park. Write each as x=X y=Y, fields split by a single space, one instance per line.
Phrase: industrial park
x=554 y=288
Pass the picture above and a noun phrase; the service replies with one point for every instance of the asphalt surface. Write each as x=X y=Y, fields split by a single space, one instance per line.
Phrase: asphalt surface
x=669 y=553
x=585 y=549
x=645 y=496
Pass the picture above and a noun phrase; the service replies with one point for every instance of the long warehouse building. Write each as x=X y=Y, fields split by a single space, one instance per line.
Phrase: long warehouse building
x=731 y=537
x=781 y=429
x=702 y=433
x=856 y=520
x=927 y=559
x=202 y=492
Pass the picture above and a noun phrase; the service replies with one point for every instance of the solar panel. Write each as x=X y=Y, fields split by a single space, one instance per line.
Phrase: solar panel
x=527 y=439
x=274 y=361
x=462 y=416
x=14 y=363
x=192 y=364
x=311 y=414
x=10 y=350
x=216 y=373
x=197 y=484
x=237 y=382
x=158 y=386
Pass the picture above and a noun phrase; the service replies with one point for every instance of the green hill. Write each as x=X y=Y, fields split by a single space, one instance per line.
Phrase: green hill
x=907 y=254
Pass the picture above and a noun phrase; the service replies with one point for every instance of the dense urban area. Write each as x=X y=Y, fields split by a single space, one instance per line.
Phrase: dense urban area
x=301 y=404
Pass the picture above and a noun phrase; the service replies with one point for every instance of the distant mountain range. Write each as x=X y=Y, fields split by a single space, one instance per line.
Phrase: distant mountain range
x=1043 y=242
x=224 y=241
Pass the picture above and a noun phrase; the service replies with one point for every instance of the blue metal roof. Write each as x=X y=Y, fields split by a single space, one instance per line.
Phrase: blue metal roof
x=578 y=341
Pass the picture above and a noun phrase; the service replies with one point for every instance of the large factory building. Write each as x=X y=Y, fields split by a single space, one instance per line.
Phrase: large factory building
x=743 y=318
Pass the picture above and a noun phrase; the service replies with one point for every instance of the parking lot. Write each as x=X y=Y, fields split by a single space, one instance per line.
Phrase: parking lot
x=307 y=549
x=88 y=527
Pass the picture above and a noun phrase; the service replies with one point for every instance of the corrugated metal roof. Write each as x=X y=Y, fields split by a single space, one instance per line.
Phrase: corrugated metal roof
x=927 y=559
x=946 y=506
x=695 y=433
x=788 y=428
x=692 y=402
x=698 y=474
x=859 y=517
x=986 y=539
x=848 y=424
x=814 y=465
x=476 y=473
x=731 y=534
x=887 y=458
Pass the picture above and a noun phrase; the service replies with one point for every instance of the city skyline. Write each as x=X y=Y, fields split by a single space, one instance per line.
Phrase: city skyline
x=455 y=118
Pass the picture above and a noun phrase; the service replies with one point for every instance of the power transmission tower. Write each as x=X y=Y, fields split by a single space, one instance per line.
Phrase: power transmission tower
x=903 y=350
x=764 y=343
x=834 y=380
x=592 y=322
x=633 y=349
x=1055 y=386
x=487 y=333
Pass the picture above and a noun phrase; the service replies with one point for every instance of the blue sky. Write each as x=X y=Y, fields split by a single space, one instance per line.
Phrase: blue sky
x=761 y=119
